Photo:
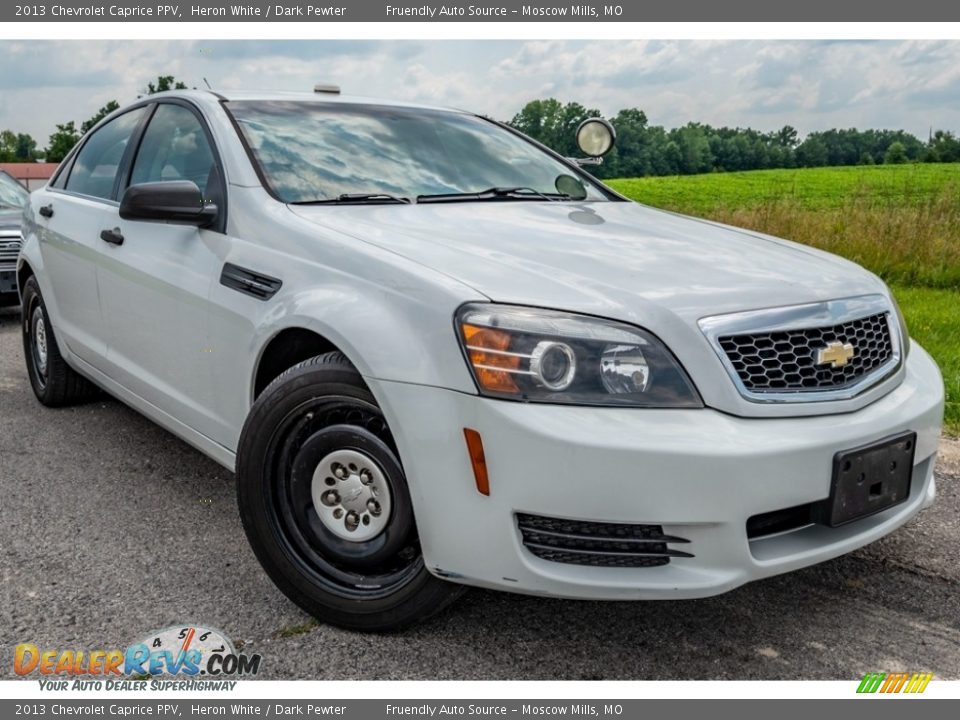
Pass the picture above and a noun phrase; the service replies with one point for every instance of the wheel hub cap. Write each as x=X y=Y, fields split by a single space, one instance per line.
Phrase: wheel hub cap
x=40 y=340
x=351 y=495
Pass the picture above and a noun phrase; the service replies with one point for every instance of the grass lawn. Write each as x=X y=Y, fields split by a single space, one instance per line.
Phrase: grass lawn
x=893 y=186
x=933 y=317
x=900 y=221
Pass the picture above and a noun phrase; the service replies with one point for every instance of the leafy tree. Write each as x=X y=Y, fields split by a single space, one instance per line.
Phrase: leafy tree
x=673 y=158
x=812 y=152
x=694 y=148
x=88 y=125
x=164 y=83
x=632 y=154
x=62 y=141
x=896 y=154
x=946 y=146
x=26 y=148
x=8 y=145
x=786 y=137
x=17 y=147
x=553 y=123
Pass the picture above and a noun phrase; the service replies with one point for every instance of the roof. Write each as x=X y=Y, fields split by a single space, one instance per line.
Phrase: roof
x=318 y=97
x=29 y=171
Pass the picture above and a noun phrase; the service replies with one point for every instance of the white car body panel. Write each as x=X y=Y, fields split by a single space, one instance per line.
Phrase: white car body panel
x=150 y=322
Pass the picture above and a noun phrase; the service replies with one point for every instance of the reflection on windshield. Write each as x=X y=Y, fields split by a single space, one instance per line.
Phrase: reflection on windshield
x=311 y=151
x=12 y=194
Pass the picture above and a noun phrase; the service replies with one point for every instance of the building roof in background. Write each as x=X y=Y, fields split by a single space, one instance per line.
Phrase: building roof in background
x=29 y=171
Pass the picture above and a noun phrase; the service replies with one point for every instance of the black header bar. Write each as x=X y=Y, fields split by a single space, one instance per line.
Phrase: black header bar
x=612 y=11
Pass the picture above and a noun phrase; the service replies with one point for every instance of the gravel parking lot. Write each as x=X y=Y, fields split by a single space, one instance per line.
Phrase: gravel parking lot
x=111 y=527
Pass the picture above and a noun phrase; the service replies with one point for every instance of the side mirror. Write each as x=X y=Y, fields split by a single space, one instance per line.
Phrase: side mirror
x=595 y=138
x=174 y=201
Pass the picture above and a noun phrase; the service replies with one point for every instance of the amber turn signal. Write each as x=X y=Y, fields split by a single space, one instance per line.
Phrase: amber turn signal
x=487 y=348
x=477 y=460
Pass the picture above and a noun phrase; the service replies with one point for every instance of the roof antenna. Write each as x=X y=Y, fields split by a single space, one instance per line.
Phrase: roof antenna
x=208 y=85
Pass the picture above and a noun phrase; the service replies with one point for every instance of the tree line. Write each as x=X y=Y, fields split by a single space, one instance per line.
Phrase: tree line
x=645 y=149
x=641 y=149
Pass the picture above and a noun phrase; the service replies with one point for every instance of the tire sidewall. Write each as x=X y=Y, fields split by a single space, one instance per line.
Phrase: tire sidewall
x=33 y=302
x=418 y=597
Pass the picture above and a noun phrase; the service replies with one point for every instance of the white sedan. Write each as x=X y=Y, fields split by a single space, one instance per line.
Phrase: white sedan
x=437 y=354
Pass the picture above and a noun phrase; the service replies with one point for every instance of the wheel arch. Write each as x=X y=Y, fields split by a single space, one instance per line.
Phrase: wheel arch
x=24 y=272
x=284 y=349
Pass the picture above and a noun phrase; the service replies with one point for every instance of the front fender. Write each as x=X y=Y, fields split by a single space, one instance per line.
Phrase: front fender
x=385 y=335
x=31 y=257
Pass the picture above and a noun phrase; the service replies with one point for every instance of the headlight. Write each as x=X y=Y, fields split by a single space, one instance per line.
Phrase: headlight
x=902 y=323
x=537 y=355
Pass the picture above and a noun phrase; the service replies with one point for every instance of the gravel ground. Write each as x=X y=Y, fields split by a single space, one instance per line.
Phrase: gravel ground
x=112 y=527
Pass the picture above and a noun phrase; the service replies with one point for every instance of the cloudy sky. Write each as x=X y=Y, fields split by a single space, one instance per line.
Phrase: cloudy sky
x=762 y=84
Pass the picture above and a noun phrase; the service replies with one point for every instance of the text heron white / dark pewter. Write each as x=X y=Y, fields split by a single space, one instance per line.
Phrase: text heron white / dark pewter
x=438 y=354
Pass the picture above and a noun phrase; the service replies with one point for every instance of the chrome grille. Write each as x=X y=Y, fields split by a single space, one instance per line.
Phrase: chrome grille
x=823 y=351
x=788 y=360
x=9 y=250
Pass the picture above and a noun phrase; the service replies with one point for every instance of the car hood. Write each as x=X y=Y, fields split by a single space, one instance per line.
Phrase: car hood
x=10 y=219
x=616 y=259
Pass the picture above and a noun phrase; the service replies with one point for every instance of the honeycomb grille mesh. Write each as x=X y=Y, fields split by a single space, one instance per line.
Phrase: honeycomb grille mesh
x=578 y=542
x=787 y=360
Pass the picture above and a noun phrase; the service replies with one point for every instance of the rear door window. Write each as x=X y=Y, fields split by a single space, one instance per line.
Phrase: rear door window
x=95 y=169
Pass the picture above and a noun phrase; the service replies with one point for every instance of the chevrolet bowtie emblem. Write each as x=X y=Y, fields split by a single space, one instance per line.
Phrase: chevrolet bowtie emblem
x=837 y=354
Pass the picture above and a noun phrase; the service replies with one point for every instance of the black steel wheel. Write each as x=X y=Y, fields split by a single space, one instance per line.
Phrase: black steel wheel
x=325 y=502
x=53 y=381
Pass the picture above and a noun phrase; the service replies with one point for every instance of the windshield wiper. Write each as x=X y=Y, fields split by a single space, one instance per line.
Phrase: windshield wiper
x=358 y=199
x=494 y=193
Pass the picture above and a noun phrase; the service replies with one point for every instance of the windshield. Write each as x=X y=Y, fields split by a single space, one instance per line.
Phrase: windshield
x=12 y=194
x=310 y=152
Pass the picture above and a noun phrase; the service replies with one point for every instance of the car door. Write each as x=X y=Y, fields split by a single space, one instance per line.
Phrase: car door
x=71 y=216
x=155 y=277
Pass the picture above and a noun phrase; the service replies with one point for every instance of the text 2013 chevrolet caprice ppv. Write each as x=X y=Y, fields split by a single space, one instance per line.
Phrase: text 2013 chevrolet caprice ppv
x=437 y=354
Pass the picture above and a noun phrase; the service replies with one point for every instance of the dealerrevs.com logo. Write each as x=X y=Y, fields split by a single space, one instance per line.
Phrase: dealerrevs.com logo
x=199 y=658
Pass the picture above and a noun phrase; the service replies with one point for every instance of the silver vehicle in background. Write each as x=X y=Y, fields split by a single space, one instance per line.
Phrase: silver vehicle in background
x=12 y=199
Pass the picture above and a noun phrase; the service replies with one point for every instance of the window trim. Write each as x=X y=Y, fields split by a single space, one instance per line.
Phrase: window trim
x=123 y=178
x=66 y=167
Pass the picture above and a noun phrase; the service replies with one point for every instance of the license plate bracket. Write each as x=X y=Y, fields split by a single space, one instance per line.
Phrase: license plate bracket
x=870 y=478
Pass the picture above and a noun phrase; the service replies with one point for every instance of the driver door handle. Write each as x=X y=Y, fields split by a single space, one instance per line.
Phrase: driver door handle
x=114 y=237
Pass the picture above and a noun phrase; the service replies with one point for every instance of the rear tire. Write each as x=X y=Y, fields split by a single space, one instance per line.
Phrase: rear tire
x=325 y=504
x=54 y=382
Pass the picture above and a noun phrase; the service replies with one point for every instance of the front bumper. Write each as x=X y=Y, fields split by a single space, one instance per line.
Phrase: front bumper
x=700 y=474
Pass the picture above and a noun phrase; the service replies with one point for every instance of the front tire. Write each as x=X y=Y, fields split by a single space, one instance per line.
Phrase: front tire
x=325 y=504
x=54 y=382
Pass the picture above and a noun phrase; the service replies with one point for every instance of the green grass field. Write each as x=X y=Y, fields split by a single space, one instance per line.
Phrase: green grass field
x=900 y=221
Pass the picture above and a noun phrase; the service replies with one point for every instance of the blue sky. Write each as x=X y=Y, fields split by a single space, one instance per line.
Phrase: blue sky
x=811 y=85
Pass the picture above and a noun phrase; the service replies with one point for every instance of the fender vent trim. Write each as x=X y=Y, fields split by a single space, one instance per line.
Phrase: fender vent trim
x=262 y=287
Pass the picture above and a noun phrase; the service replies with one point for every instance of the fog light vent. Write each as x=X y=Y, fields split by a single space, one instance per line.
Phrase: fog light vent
x=599 y=544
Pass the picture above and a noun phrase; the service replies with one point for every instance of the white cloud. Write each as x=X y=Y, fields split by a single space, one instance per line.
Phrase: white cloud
x=763 y=84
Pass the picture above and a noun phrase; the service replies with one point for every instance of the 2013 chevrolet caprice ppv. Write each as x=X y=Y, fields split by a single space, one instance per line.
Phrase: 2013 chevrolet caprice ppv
x=438 y=354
